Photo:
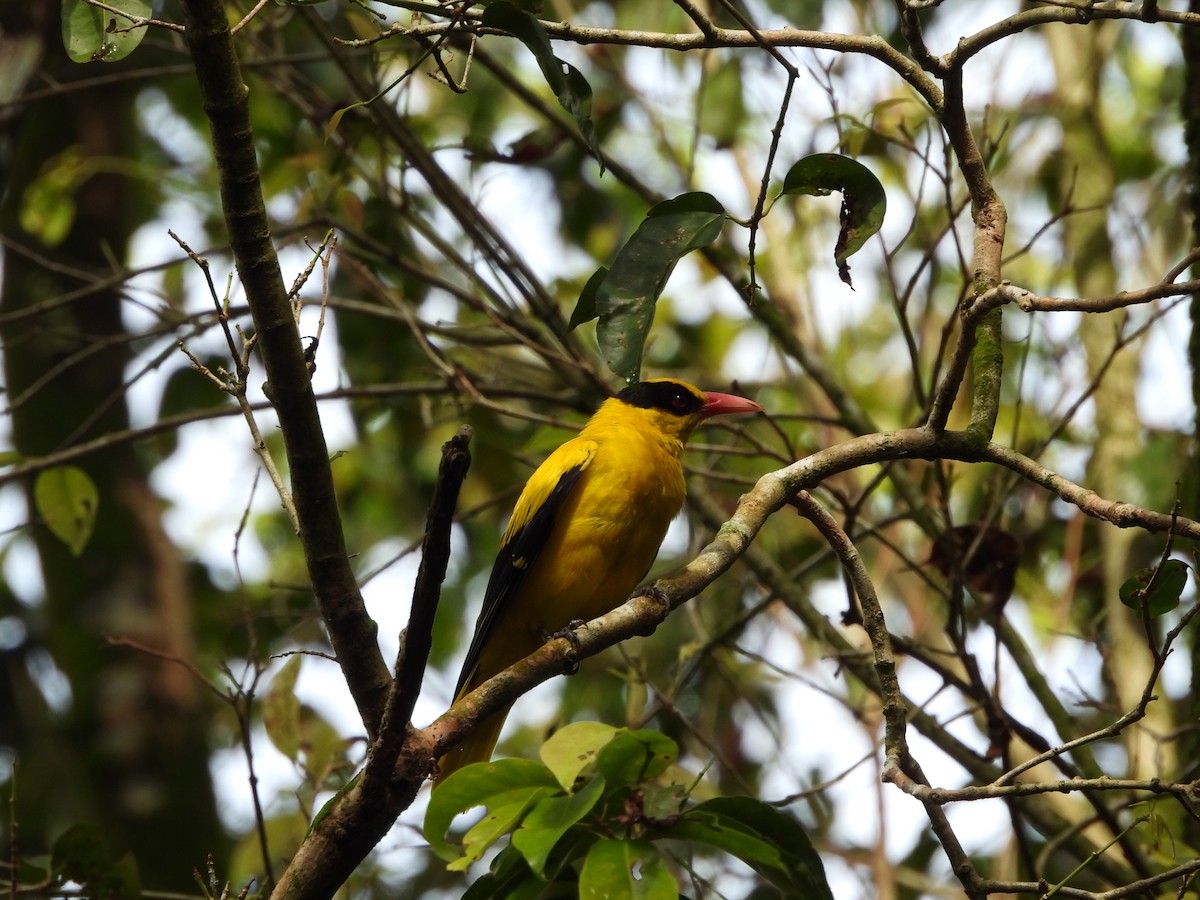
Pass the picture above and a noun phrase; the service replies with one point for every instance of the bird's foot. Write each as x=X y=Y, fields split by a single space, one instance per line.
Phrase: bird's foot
x=568 y=634
x=661 y=600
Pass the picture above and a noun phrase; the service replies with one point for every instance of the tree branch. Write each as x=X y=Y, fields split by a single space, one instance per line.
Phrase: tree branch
x=225 y=97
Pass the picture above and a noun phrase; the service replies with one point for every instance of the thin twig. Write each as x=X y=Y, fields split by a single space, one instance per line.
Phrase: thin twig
x=134 y=21
x=235 y=384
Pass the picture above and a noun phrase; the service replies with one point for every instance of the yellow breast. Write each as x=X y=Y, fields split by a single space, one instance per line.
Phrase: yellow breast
x=608 y=532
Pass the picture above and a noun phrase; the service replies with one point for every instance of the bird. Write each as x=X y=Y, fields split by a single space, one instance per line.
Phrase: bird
x=585 y=530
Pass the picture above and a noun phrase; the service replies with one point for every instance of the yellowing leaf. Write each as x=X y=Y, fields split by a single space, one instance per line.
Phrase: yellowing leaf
x=569 y=750
x=281 y=710
x=67 y=500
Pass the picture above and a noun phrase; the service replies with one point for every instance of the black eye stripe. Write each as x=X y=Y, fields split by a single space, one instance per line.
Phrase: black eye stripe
x=666 y=395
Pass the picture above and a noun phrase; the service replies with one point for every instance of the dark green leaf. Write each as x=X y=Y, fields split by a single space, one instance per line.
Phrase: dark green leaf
x=1159 y=595
x=626 y=298
x=863 y=200
x=549 y=820
x=91 y=34
x=568 y=84
x=80 y=854
x=533 y=146
x=769 y=841
x=187 y=391
x=509 y=878
x=67 y=500
x=625 y=869
x=585 y=308
x=723 y=113
x=691 y=202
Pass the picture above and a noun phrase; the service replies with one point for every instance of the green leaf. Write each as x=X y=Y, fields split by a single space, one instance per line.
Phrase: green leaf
x=47 y=212
x=569 y=86
x=636 y=756
x=187 y=391
x=479 y=784
x=282 y=833
x=48 y=205
x=625 y=869
x=333 y=801
x=323 y=747
x=769 y=841
x=80 y=854
x=91 y=34
x=585 y=308
x=509 y=878
x=533 y=146
x=502 y=817
x=281 y=710
x=67 y=500
x=626 y=298
x=549 y=820
x=569 y=750
x=1160 y=595
x=691 y=202
x=336 y=119
x=723 y=113
x=863 y=200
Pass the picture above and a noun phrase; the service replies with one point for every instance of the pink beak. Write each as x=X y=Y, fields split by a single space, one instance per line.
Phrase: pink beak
x=723 y=404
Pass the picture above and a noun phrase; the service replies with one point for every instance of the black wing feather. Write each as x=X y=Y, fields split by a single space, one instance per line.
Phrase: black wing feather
x=507 y=576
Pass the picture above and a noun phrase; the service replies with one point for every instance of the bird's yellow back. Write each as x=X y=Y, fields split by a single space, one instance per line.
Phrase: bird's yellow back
x=606 y=532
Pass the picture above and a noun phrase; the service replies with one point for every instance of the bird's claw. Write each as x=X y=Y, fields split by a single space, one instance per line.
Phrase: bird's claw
x=659 y=598
x=568 y=634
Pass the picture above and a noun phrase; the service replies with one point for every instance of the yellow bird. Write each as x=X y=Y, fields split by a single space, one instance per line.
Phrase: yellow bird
x=584 y=532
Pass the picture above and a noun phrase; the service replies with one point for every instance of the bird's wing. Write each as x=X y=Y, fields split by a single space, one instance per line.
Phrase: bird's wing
x=528 y=530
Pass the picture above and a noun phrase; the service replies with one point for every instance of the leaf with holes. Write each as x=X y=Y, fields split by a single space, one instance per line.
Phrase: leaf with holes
x=92 y=34
x=573 y=747
x=624 y=298
x=615 y=868
x=67 y=500
x=1160 y=594
x=863 y=200
x=569 y=86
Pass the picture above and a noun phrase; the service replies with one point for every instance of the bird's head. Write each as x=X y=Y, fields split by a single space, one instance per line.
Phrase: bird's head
x=675 y=407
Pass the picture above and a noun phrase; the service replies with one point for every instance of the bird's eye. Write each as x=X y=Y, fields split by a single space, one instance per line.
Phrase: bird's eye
x=679 y=401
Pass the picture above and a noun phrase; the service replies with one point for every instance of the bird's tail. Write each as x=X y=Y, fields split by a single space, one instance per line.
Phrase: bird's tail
x=476 y=748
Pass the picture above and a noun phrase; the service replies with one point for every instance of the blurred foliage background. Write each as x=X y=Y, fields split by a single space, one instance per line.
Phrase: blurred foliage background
x=138 y=677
